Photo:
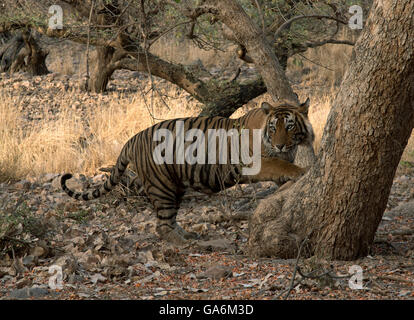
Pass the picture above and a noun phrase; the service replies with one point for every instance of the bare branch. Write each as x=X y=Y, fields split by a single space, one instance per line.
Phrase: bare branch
x=236 y=75
x=89 y=38
x=259 y=8
x=192 y=13
x=323 y=42
x=290 y=21
x=163 y=33
x=80 y=6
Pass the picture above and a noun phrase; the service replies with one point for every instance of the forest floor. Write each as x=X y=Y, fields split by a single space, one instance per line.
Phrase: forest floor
x=107 y=248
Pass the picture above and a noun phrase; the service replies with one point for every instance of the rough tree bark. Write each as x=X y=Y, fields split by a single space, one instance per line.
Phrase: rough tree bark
x=22 y=53
x=103 y=69
x=339 y=203
x=260 y=51
x=106 y=56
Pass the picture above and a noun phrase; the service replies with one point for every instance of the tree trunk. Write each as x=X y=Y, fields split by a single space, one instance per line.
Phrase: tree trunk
x=22 y=53
x=102 y=70
x=252 y=38
x=9 y=52
x=107 y=56
x=226 y=100
x=339 y=203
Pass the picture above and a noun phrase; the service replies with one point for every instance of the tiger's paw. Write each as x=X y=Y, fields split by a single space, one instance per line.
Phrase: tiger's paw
x=175 y=235
x=186 y=234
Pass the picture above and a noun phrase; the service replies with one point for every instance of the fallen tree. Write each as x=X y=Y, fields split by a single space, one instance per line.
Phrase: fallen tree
x=22 y=53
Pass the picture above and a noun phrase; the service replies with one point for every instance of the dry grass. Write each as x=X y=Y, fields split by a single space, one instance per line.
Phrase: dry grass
x=10 y=134
x=74 y=143
x=318 y=114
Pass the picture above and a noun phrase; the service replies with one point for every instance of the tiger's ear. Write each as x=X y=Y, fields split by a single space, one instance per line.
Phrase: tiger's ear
x=266 y=107
x=304 y=107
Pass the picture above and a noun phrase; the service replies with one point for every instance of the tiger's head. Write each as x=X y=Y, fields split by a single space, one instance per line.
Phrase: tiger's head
x=286 y=127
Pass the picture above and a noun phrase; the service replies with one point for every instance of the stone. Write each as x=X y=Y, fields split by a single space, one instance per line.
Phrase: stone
x=22 y=293
x=216 y=245
x=38 y=292
x=216 y=273
x=38 y=252
x=23 y=283
x=23 y=185
x=29 y=261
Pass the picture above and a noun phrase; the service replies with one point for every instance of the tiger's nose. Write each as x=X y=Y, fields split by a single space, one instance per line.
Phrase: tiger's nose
x=280 y=146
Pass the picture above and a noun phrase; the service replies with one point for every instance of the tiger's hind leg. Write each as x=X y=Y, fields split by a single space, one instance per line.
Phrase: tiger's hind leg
x=167 y=227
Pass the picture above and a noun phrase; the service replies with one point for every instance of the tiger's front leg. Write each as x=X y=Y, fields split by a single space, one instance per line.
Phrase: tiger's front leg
x=277 y=170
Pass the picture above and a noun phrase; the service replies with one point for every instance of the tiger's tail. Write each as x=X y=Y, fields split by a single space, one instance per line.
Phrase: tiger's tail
x=116 y=174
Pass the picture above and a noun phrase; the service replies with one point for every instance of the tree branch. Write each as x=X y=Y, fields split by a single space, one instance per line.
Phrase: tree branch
x=290 y=21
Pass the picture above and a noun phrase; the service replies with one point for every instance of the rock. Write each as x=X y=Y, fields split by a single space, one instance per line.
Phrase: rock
x=23 y=185
x=3 y=272
x=216 y=245
x=137 y=75
x=216 y=273
x=56 y=183
x=75 y=278
x=19 y=293
x=67 y=263
x=23 y=283
x=97 y=277
x=38 y=292
x=404 y=293
x=29 y=261
x=26 y=292
x=404 y=209
x=38 y=252
x=48 y=177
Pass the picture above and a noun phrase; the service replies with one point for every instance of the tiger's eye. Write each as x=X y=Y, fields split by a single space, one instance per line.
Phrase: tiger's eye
x=290 y=127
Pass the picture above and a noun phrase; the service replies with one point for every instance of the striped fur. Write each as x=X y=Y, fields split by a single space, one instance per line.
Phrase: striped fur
x=284 y=127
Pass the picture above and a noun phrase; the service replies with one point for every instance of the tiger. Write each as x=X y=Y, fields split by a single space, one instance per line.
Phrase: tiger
x=283 y=128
